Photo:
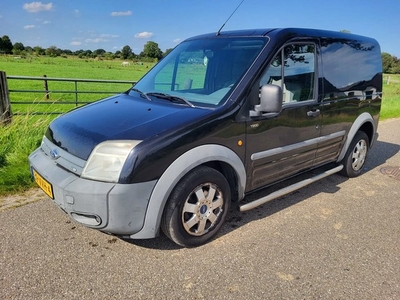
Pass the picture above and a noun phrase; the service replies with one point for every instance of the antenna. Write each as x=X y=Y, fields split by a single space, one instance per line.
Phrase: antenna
x=219 y=31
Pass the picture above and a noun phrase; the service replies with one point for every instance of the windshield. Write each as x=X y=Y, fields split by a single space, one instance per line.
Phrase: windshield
x=201 y=72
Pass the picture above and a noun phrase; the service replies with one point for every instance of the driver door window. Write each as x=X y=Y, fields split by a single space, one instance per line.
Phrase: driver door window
x=293 y=69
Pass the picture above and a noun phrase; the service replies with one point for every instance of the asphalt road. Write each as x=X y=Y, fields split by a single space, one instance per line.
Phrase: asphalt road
x=335 y=239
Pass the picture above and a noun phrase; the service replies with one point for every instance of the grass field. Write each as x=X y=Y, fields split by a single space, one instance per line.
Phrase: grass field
x=391 y=97
x=70 y=67
x=24 y=134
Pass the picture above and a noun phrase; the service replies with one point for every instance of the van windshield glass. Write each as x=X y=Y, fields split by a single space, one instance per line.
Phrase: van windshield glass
x=203 y=72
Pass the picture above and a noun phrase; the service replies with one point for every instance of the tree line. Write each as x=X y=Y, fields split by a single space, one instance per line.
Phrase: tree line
x=390 y=63
x=151 y=51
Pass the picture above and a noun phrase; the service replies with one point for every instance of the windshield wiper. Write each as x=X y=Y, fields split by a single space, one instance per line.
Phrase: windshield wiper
x=143 y=95
x=171 y=98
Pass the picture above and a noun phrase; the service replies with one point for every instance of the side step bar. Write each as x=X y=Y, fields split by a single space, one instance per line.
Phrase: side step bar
x=289 y=189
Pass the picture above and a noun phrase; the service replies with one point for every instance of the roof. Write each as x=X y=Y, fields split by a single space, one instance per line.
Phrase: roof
x=278 y=32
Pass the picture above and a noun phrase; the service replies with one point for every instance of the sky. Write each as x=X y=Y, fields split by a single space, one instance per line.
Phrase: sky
x=112 y=24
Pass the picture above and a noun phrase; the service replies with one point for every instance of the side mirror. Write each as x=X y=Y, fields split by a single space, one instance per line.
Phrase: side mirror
x=270 y=100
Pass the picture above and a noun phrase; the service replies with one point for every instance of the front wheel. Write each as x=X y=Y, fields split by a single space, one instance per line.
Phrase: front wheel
x=356 y=155
x=197 y=207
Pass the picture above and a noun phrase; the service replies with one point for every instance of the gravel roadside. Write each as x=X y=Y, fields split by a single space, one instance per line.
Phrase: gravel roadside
x=17 y=200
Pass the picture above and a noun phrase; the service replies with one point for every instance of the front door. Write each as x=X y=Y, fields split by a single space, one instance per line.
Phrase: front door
x=284 y=144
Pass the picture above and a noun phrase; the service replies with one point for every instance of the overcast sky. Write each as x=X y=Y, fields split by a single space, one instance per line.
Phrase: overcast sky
x=110 y=25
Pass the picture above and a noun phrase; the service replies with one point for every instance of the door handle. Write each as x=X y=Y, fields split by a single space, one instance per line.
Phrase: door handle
x=313 y=113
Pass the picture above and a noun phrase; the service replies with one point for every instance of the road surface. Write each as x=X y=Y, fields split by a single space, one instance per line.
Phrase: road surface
x=335 y=239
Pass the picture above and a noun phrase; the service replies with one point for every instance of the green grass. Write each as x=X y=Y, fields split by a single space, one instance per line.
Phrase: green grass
x=391 y=97
x=17 y=141
x=24 y=134
x=70 y=67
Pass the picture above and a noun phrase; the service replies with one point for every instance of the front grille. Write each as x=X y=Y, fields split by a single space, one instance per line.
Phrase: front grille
x=62 y=158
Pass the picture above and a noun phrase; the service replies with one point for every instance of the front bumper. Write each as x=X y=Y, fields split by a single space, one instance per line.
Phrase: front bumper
x=114 y=208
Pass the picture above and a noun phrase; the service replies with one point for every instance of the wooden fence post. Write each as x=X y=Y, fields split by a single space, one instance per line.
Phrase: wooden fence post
x=46 y=87
x=5 y=106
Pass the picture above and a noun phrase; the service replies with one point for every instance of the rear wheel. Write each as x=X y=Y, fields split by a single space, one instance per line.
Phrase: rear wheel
x=197 y=207
x=356 y=155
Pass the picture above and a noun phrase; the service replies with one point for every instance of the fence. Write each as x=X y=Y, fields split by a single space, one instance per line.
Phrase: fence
x=5 y=106
x=6 y=101
x=388 y=79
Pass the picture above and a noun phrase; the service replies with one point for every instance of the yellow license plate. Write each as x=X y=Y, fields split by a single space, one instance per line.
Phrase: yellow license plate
x=43 y=184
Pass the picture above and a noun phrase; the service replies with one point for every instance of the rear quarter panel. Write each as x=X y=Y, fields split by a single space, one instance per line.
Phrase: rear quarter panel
x=351 y=86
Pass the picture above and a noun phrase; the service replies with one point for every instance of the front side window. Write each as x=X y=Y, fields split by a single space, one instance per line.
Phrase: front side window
x=203 y=71
x=293 y=69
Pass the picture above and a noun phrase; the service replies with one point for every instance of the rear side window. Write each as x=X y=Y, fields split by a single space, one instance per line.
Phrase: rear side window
x=293 y=69
x=352 y=68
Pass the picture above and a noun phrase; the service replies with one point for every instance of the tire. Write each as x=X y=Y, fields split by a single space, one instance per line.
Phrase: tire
x=193 y=215
x=356 y=155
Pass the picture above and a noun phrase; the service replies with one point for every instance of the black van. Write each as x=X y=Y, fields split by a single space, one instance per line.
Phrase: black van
x=219 y=117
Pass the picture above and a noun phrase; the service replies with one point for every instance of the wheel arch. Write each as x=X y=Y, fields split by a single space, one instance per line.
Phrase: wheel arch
x=368 y=128
x=218 y=157
x=366 y=123
x=230 y=174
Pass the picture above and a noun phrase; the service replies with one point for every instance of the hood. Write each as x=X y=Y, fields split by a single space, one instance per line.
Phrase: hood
x=121 y=117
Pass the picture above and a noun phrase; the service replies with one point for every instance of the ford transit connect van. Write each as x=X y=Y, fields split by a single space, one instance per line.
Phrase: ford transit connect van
x=219 y=117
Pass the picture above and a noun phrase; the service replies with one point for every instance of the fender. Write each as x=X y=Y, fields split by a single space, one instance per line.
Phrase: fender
x=361 y=120
x=179 y=168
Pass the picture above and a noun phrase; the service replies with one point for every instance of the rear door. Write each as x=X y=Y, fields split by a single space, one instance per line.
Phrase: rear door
x=283 y=144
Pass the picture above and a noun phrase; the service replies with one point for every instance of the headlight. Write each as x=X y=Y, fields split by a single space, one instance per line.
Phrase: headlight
x=107 y=159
